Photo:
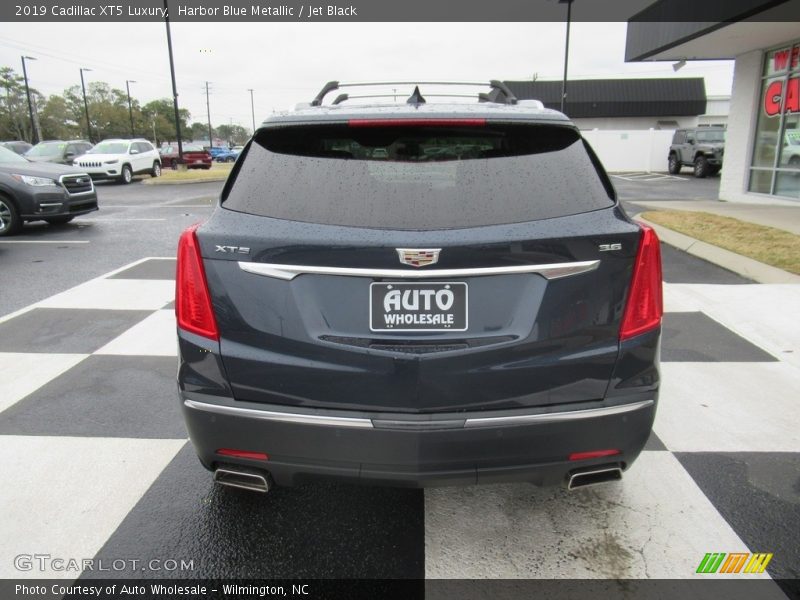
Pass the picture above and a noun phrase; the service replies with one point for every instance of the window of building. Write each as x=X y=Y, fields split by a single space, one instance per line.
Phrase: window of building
x=775 y=167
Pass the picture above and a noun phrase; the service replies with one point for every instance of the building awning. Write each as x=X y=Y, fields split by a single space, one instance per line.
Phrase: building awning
x=661 y=32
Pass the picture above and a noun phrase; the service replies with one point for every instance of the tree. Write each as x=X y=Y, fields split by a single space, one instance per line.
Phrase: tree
x=56 y=120
x=14 y=118
x=199 y=132
x=233 y=134
x=159 y=120
x=108 y=110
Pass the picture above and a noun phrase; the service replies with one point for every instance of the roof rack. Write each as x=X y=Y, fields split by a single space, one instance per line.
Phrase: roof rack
x=499 y=91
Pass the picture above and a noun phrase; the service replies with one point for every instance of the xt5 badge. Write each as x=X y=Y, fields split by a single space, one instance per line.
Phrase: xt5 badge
x=232 y=249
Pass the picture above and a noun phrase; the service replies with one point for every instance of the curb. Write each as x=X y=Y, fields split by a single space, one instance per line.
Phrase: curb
x=741 y=265
x=184 y=181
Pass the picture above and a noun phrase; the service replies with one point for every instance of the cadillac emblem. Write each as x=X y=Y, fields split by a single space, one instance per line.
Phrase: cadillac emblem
x=418 y=257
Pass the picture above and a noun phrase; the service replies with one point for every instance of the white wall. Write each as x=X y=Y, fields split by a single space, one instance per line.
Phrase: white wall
x=632 y=150
x=745 y=97
x=625 y=123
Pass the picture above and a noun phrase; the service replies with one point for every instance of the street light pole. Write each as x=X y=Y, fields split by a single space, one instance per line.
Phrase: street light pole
x=208 y=112
x=174 y=85
x=28 y=94
x=566 y=55
x=252 y=110
x=86 y=106
x=128 y=83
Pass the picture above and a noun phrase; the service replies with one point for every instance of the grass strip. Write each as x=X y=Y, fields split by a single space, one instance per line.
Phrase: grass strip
x=768 y=245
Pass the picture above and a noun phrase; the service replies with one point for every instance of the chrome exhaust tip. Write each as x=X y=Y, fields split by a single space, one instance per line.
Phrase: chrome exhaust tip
x=252 y=480
x=594 y=477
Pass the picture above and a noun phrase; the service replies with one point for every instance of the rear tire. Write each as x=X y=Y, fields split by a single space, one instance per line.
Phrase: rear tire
x=673 y=164
x=701 y=167
x=156 y=170
x=127 y=175
x=59 y=220
x=10 y=222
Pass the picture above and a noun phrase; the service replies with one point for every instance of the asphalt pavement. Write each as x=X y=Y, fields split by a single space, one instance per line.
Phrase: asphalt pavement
x=101 y=466
x=134 y=220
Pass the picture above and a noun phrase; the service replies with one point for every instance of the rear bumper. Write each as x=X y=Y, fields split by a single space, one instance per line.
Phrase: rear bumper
x=452 y=449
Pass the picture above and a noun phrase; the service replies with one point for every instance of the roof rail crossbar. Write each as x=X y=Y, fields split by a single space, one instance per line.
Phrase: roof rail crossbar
x=499 y=90
x=344 y=97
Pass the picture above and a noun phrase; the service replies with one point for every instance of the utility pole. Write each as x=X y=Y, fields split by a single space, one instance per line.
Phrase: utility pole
x=86 y=106
x=128 y=83
x=252 y=110
x=174 y=85
x=208 y=112
x=566 y=55
x=34 y=137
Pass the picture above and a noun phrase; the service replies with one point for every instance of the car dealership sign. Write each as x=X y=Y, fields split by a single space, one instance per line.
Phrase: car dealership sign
x=784 y=93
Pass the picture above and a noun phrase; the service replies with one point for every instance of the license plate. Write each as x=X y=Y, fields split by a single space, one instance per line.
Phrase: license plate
x=429 y=306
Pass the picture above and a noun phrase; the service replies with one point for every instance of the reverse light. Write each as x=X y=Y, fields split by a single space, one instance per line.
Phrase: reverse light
x=192 y=301
x=242 y=454
x=593 y=454
x=416 y=122
x=645 y=305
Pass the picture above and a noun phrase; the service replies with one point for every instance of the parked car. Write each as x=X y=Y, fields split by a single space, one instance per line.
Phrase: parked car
x=230 y=155
x=790 y=153
x=194 y=157
x=58 y=151
x=217 y=150
x=121 y=160
x=17 y=146
x=408 y=320
x=701 y=148
x=41 y=192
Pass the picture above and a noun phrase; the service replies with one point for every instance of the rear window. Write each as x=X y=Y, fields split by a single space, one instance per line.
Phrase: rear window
x=417 y=178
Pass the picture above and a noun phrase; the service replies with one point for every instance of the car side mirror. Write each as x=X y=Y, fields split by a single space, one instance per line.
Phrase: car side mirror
x=690 y=140
x=69 y=155
x=134 y=151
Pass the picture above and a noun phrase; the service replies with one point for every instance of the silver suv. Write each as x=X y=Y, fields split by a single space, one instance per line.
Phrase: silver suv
x=700 y=148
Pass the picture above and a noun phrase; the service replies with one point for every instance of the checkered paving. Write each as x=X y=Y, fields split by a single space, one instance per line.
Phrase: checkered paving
x=100 y=465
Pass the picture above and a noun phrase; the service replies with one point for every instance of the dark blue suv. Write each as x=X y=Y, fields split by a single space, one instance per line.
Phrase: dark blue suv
x=418 y=294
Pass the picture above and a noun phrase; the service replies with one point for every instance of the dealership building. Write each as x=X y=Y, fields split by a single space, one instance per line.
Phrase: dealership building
x=762 y=149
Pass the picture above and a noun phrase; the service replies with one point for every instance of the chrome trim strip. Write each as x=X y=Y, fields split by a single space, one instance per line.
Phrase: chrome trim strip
x=267 y=415
x=306 y=419
x=289 y=272
x=573 y=415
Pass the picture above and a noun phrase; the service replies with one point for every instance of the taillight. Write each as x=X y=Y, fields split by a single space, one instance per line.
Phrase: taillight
x=645 y=304
x=192 y=300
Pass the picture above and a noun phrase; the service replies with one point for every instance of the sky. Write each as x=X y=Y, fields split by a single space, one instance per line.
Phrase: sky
x=287 y=63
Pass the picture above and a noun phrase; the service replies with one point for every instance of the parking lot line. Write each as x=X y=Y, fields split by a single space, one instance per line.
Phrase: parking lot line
x=45 y=242
x=121 y=219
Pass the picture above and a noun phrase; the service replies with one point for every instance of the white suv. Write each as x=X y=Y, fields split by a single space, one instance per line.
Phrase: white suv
x=120 y=160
